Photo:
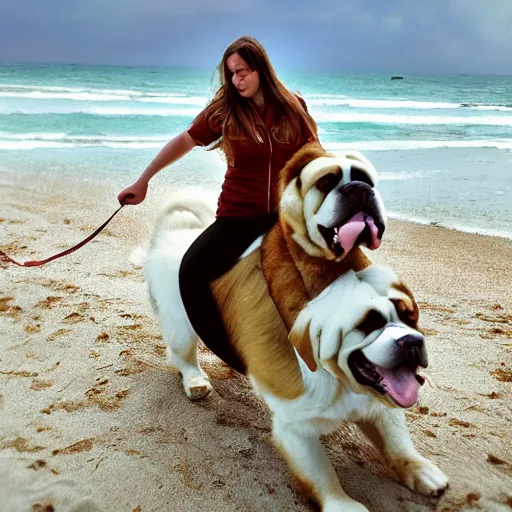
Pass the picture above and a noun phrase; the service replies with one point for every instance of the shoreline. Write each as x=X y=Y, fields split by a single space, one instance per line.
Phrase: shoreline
x=488 y=233
x=43 y=182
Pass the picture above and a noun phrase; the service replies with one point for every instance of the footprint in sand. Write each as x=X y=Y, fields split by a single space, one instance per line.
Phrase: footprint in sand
x=502 y=374
x=10 y=310
x=49 y=302
x=501 y=318
x=33 y=328
x=56 y=285
x=58 y=333
x=73 y=318
x=120 y=273
x=38 y=385
x=21 y=445
x=85 y=445
x=13 y=247
x=428 y=332
x=97 y=397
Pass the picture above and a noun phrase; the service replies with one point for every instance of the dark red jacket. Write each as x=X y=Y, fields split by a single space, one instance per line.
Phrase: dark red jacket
x=250 y=183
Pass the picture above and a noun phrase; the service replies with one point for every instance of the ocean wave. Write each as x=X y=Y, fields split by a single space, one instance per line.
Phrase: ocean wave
x=389 y=119
x=319 y=115
x=23 y=141
x=103 y=96
x=41 y=92
x=394 y=145
x=454 y=226
x=117 y=111
x=32 y=136
x=60 y=89
x=381 y=104
x=409 y=175
x=189 y=100
x=498 y=108
x=30 y=141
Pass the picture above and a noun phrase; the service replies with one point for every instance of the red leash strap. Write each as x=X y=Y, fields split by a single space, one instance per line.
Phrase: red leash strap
x=8 y=259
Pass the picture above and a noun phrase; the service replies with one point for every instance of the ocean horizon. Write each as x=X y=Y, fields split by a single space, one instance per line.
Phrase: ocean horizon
x=442 y=144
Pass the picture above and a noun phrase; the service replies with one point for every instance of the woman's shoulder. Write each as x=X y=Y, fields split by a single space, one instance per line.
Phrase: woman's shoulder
x=206 y=127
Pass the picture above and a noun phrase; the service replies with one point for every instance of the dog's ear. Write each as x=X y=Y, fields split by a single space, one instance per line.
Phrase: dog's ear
x=405 y=305
x=300 y=338
x=298 y=161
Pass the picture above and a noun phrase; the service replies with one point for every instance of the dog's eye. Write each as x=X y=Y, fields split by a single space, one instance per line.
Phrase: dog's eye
x=326 y=183
x=374 y=320
x=357 y=174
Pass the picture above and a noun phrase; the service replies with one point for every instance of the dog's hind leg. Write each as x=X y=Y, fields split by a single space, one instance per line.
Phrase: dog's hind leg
x=181 y=343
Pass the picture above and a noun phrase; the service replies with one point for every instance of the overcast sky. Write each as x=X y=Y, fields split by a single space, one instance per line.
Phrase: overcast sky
x=396 y=36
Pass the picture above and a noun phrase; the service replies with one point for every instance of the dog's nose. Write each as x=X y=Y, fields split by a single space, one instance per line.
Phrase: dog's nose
x=410 y=340
x=413 y=349
x=356 y=189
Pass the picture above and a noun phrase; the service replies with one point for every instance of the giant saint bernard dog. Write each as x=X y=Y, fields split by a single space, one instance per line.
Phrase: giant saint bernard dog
x=322 y=334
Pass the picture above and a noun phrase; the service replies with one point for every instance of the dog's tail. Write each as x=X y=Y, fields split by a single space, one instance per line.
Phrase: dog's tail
x=187 y=208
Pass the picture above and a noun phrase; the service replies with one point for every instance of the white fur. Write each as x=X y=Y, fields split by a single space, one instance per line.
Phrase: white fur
x=187 y=214
x=298 y=423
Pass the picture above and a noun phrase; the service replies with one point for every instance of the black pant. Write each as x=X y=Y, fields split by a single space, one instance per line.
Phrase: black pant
x=211 y=255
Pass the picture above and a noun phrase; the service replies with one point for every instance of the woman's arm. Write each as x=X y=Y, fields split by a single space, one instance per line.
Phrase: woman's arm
x=176 y=148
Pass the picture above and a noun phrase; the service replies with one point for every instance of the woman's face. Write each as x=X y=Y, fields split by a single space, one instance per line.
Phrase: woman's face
x=246 y=81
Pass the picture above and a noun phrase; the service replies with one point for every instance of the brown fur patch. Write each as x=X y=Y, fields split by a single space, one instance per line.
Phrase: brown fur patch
x=294 y=277
x=256 y=330
x=302 y=342
x=407 y=311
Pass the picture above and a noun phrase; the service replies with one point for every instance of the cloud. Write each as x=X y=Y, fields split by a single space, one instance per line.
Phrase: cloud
x=490 y=20
x=395 y=35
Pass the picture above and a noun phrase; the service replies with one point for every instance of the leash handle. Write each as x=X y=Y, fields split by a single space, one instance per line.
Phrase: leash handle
x=7 y=259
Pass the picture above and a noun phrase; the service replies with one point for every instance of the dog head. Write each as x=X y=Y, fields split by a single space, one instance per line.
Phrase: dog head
x=330 y=203
x=363 y=330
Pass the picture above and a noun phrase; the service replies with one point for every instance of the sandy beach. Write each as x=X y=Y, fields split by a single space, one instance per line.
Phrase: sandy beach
x=92 y=418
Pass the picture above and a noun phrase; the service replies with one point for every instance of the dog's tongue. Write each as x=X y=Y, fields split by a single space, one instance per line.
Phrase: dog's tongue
x=401 y=385
x=348 y=233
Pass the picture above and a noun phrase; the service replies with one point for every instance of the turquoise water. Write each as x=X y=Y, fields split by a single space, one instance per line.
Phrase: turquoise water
x=442 y=144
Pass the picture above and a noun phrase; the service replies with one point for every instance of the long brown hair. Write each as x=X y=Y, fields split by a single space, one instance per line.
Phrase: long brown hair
x=237 y=116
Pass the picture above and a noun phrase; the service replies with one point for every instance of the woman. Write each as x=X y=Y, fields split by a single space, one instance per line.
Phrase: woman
x=258 y=124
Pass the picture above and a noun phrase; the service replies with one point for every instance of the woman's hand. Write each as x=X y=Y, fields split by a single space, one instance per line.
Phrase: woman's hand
x=134 y=194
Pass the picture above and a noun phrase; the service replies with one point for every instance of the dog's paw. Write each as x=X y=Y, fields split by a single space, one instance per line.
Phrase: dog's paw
x=343 y=505
x=423 y=476
x=197 y=388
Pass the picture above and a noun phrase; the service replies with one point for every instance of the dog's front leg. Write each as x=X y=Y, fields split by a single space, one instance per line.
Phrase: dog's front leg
x=308 y=461
x=389 y=433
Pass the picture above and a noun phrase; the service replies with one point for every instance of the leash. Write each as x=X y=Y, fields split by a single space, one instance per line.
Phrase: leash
x=7 y=259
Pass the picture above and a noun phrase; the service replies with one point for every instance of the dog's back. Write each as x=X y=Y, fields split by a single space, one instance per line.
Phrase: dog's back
x=187 y=213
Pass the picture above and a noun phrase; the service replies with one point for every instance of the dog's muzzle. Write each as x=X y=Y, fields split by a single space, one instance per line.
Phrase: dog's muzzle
x=390 y=363
x=356 y=219
x=358 y=196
